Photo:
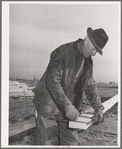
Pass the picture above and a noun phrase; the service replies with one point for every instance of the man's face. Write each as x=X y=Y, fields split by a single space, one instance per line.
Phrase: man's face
x=88 y=49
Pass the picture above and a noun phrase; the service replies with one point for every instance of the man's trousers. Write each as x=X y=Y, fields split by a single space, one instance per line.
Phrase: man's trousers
x=50 y=131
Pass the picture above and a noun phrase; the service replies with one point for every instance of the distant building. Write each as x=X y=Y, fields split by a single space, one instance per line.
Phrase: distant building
x=112 y=83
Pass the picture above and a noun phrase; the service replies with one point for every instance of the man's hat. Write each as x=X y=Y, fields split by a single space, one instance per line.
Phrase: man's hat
x=98 y=38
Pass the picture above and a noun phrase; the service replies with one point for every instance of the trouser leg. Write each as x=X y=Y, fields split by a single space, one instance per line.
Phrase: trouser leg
x=46 y=131
x=40 y=131
x=67 y=136
x=63 y=134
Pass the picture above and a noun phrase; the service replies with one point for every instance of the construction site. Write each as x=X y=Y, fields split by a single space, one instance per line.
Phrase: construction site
x=56 y=51
x=22 y=117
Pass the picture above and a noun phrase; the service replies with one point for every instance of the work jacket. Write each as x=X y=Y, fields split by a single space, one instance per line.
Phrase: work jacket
x=64 y=81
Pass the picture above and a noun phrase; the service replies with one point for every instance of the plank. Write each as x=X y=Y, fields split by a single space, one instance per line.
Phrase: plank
x=21 y=127
x=21 y=135
x=26 y=94
x=19 y=130
x=80 y=124
x=83 y=119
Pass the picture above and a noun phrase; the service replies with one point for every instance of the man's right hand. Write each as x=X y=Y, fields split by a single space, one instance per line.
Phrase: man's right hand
x=71 y=112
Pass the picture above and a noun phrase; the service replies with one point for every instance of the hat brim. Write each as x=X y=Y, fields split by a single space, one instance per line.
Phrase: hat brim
x=90 y=34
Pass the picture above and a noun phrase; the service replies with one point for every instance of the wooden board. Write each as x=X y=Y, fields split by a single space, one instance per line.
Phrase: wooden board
x=26 y=94
x=80 y=124
x=21 y=126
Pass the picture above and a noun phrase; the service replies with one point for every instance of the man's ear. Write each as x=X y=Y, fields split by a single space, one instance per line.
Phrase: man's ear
x=86 y=40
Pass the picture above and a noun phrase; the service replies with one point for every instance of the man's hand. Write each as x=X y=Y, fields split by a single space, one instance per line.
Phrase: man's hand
x=71 y=112
x=98 y=116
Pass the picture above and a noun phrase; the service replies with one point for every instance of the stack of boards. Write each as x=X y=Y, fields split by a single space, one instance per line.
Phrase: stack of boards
x=85 y=119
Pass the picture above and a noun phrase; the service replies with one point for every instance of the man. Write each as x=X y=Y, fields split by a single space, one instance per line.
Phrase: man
x=58 y=95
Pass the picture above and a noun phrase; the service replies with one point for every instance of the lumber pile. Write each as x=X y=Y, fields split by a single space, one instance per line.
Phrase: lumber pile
x=17 y=90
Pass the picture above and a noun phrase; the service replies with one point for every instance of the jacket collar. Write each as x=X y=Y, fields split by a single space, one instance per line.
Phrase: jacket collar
x=78 y=53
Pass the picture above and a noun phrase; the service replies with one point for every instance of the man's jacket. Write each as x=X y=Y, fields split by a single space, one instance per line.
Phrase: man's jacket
x=62 y=84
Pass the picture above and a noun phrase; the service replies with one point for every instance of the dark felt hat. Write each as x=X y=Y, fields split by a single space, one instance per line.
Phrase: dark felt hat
x=98 y=38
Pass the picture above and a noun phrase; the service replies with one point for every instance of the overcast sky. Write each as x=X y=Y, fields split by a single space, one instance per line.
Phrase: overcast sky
x=37 y=29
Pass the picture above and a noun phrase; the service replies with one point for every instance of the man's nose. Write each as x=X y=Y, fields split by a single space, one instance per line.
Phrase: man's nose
x=94 y=52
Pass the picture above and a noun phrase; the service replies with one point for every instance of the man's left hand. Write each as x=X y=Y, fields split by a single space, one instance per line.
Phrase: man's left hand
x=98 y=116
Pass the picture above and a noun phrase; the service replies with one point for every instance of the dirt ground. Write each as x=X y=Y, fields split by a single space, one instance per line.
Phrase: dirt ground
x=23 y=109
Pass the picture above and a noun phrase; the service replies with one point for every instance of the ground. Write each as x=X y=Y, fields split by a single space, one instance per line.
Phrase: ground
x=23 y=109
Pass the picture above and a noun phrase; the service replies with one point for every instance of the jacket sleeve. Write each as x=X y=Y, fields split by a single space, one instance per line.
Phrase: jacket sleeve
x=91 y=92
x=54 y=78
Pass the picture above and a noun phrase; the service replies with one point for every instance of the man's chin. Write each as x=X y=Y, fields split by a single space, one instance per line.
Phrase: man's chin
x=87 y=56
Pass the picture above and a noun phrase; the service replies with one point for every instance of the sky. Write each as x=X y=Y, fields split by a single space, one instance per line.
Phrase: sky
x=39 y=28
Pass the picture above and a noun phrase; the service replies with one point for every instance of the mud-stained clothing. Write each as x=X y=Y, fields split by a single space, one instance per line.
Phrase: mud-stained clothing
x=68 y=74
x=54 y=132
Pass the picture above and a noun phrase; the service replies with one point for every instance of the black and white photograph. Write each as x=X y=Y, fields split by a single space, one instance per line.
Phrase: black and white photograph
x=61 y=74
